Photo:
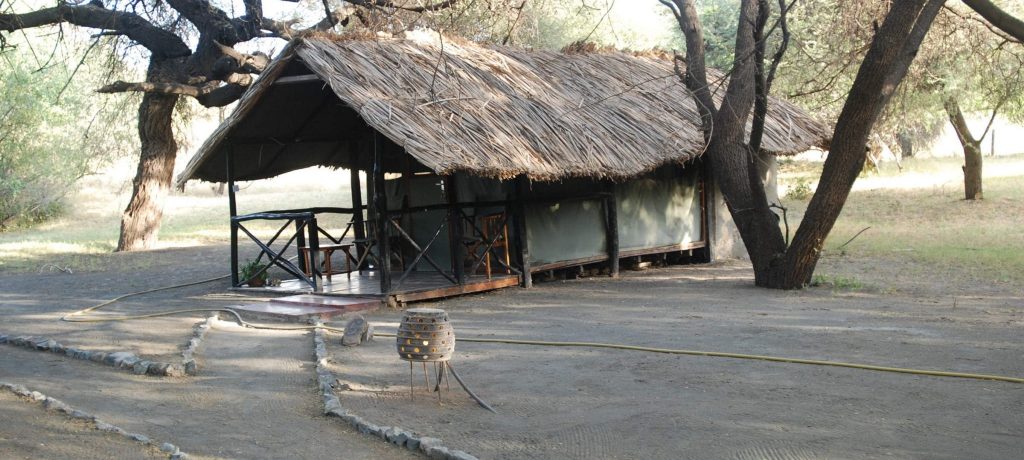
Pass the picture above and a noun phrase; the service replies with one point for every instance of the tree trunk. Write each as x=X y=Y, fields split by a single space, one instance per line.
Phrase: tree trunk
x=972 y=150
x=140 y=223
x=892 y=50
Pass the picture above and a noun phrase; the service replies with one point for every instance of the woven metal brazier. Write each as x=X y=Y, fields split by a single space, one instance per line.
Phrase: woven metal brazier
x=425 y=335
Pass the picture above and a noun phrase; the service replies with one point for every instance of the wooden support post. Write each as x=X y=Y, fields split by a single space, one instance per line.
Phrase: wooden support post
x=522 y=242
x=380 y=202
x=455 y=228
x=359 y=226
x=233 y=211
x=300 y=242
x=612 y=232
x=314 y=255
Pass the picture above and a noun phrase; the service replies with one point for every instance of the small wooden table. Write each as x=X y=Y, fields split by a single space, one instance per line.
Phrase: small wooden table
x=327 y=250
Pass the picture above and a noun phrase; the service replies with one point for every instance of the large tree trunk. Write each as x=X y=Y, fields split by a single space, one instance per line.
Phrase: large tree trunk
x=140 y=223
x=892 y=50
x=972 y=150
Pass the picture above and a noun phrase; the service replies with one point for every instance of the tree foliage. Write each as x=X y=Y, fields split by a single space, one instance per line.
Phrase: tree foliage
x=53 y=130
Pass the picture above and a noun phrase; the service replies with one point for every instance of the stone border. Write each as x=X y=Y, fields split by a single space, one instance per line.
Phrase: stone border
x=432 y=447
x=198 y=334
x=119 y=359
x=53 y=404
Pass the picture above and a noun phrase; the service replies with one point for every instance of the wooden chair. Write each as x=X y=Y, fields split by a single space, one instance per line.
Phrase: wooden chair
x=491 y=225
x=326 y=251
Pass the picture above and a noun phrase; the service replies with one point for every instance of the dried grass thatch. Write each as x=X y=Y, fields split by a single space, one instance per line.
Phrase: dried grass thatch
x=501 y=111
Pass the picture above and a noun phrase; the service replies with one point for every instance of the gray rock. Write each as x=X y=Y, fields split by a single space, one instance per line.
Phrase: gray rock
x=70 y=352
x=340 y=413
x=190 y=367
x=138 y=437
x=98 y=357
x=40 y=343
x=174 y=370
x=57 y=348
x=412 y=443
x=390 y=434
x=369 y=428
x=20 y=390
x=331 y=403
x=157 y=369
x=104 y=426
x=437 y=453
x=56 y=404
x=427 y=442
x=460 y=455
x=401 y=438
x=368 y=335
x=51 y=345
x=178 y=456
x=19 y=341
x=3 y=338
x=82 y=415
x=37 y=396
x=140 y=367
x=355 y=331
x=116 y=358
x=168 y=447
x=82 y=354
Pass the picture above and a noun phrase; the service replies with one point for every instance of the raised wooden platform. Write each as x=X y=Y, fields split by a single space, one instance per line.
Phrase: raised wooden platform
x=299 y=307
x=418 y=286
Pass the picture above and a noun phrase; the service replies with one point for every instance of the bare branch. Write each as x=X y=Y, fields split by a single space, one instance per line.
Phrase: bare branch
x=209 y=95
x=415 y=9
x=161 y=43
x=999 y=18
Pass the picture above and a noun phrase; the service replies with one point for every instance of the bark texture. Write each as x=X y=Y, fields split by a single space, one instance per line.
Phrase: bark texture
x=892 y=50
x=733 y=162
x=140 y=223
x=972 y=151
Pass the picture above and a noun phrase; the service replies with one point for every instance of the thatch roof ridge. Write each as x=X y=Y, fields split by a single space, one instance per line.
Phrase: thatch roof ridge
x=501 y=111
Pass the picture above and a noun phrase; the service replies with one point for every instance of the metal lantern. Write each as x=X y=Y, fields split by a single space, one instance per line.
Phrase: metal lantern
x=426 y=335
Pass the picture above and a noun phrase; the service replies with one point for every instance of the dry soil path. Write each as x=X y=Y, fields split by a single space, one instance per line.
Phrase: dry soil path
x=254 y=398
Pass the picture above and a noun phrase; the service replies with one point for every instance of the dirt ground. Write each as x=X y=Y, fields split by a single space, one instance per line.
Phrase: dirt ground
x=254 y=396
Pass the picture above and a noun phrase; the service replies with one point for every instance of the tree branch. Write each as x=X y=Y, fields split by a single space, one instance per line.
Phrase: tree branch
x=161 y=43
x=999 y=18
x=415 y=9
x=696 y=77
x=211 y=94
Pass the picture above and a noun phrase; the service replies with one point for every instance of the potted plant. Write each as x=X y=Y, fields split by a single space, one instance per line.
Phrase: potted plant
x=253 y=272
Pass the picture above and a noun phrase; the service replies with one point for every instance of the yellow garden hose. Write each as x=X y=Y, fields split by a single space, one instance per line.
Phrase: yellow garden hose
x=718 y=354
x=79 y=317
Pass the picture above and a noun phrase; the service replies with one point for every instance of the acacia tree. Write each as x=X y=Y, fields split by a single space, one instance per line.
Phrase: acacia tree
x=190 y=46
x=732 y=157
x=965 y=65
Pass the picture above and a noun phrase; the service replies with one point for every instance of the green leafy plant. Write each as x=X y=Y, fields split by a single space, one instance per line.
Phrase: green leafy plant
x=801 y=190
x=253 y=272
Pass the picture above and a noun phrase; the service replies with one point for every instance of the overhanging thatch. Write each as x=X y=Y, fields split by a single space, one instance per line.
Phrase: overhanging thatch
x=490 y=110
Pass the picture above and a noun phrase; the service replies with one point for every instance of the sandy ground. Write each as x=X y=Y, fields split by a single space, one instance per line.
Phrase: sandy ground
x=255 y=397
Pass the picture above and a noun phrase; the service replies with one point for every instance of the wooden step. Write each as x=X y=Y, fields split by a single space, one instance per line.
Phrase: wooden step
x=303 y=307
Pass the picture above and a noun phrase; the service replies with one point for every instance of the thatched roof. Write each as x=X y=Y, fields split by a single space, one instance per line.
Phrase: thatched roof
x=453 y=105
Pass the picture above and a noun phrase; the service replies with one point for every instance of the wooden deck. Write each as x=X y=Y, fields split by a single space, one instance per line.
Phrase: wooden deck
x=418 y=286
